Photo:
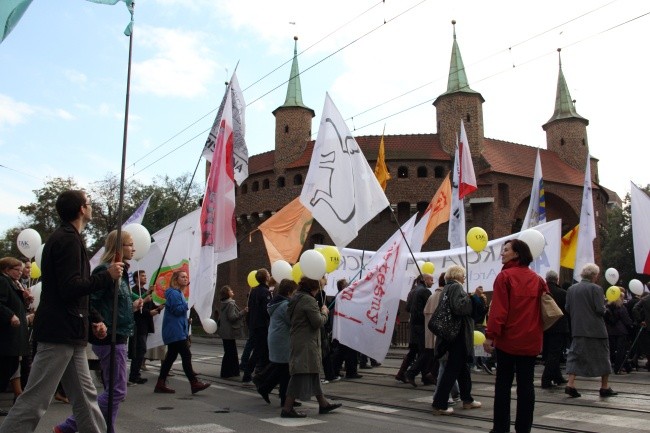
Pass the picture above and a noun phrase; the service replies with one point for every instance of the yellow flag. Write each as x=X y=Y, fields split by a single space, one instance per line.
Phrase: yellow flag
x=439 y=208
x=381 y=171
x=569 y=247
x=286 y=231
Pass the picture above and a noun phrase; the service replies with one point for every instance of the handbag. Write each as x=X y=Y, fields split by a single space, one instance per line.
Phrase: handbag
x=551 y=313
x=444 y=323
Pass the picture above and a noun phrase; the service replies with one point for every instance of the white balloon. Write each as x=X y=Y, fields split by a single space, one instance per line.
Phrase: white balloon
x=535 y=241
x=281 y=270
x=39 y=255
x=636 y=287
x=36 y=293
x=28 y=242
x=209 y=326
x=611 y=275
x=312 y=264
x=141 y=239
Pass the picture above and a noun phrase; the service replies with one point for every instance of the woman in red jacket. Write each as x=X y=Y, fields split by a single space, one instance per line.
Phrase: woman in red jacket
x=514 y=330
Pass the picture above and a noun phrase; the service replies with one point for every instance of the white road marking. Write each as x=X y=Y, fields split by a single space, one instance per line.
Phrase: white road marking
x=293 y=422
x=200 y=428
x=594 y=418
x=381 y=409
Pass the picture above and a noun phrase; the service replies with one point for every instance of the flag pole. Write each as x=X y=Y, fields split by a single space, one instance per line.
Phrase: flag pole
x=118 y=255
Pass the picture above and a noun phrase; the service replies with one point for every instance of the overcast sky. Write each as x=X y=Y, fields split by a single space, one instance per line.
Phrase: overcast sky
x=63 y=78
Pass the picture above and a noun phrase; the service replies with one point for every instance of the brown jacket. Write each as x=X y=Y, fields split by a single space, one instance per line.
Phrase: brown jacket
x=306 y=321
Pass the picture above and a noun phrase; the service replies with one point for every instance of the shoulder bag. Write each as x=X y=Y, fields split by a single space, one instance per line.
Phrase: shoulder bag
x=444 y=323
x=551 y=313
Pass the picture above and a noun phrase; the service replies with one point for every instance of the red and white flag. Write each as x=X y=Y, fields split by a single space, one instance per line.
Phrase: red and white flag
x=237 y=107
x=640 y=203
x=365 y=311
x=466 y=176
x=217 y=222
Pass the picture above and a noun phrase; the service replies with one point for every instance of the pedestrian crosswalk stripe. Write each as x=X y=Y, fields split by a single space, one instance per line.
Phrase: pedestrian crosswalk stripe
x=292 y=422
x=381 y=409
x=622 y=422
x=200 y=428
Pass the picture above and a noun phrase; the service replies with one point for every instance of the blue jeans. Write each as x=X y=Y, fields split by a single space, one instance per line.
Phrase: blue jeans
x=119 y=384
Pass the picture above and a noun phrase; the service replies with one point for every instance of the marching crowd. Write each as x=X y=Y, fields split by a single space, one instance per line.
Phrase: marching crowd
x=290 y=342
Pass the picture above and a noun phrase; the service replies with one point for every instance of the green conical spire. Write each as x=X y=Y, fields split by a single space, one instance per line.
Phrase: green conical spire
x=294 y=92
x=564 y=106
x=457 y=81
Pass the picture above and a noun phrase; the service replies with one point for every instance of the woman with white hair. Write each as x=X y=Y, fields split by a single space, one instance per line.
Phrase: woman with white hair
x=588 y=355
x=458 y=349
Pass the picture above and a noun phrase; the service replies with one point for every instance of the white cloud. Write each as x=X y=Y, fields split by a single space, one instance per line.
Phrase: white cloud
x=63 y=114
x=75 y=77
x=13 y=112
x=180 y=65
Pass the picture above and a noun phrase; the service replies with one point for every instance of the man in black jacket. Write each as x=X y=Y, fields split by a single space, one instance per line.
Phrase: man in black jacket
x=258 y=324
x=61 y=324
x=418 y=302
x=556 y=336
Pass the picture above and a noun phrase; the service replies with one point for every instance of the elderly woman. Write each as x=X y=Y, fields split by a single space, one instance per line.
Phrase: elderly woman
x=305 y=359
x=175 y=332
x=102 y=303
x=231 y=327
x=13 y=320
x=459 y=349
x=515 y=331
x=279 y=342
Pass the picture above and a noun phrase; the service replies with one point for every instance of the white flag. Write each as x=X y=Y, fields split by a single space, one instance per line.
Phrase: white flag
x=340 y=190
x=365 y=311
x=587 y=233
x=237 y=108
x=536 y=213
x=640 y=203
x=456 y=235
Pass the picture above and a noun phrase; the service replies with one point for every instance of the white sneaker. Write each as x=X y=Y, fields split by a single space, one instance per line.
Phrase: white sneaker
x=448 y=411
x=473 y=405
x=324 y=382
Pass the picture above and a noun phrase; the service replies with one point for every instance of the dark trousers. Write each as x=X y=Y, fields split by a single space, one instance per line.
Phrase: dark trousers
x=507 y=366
x=345 y=354
x=553 y=347
x=8 y=366
x=455 y=369
x=230 y=361
x=617 y=349
x=421 y=360
x=246 y=354
x=173 y=350
x=260 y=356
x=138 y=351
x=276 y=374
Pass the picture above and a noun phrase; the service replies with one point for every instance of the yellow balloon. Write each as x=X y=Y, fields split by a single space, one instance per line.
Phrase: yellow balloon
x=613 y=294
x=428 y=268
x=477 y=239
x=296 y=272
x=35 y=271
x=332 y=258
x=479 y=338
x=252 y=281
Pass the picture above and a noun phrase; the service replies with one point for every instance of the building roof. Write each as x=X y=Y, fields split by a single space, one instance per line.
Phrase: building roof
x=519 y=160
x=502 y=157
x=564 y=106
x=294 y=90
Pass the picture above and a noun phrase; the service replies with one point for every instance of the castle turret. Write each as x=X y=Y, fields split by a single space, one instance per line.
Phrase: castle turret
x=459 y=102
x=566 y=130
x=292 y=120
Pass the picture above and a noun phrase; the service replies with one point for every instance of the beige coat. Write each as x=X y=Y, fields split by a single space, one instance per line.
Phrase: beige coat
x=429 y=308
x=306 y=320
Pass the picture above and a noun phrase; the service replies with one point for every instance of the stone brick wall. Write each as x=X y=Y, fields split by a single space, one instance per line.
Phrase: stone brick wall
x=450 y=109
